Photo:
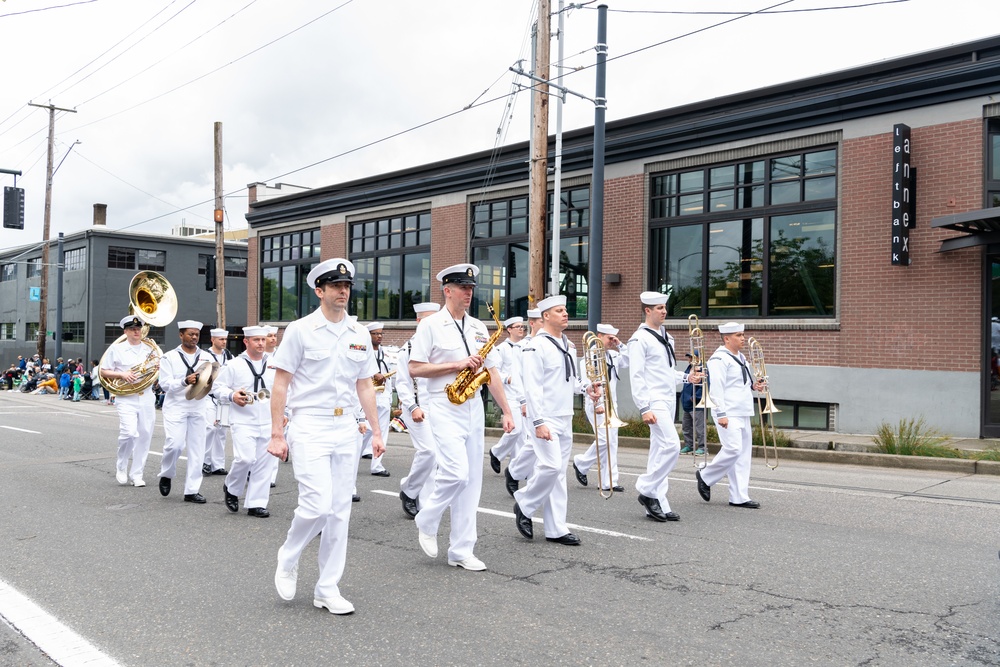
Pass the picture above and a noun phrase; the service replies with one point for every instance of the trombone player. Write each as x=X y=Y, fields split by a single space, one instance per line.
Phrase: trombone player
x=730 y=391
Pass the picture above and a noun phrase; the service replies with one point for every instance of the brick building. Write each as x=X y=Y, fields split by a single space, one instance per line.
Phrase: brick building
x=774 y=207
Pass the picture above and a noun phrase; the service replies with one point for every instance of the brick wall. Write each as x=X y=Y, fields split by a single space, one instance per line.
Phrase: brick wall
x=624 y=251
x=333 y=241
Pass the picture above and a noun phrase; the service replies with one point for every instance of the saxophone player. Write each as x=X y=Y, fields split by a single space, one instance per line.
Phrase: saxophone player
x=445 y=344
x=383 y=399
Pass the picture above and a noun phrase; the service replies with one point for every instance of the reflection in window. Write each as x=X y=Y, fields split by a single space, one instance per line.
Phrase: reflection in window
x=286 y=261
x=802 y=275
x=392 y=260
x=677 y=261
x=735 y=268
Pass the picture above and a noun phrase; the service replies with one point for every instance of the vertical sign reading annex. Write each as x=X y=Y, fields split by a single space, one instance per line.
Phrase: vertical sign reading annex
x=902 y=195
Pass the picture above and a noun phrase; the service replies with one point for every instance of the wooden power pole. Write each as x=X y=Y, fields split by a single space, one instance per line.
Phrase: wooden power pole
x=220 y=247
x=539 y=159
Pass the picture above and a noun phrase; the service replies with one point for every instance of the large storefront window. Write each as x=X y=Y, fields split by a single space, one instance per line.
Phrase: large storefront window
x=752 y=239
x=285 y=262
x=392 y=259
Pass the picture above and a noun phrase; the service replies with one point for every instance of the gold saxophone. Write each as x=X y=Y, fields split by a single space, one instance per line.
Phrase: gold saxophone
x=468 y=381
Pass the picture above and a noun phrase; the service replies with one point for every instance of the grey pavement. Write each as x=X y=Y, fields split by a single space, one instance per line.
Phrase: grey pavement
x=843 y=565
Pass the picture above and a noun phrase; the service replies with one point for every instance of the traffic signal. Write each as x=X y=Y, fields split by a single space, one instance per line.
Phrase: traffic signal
x=210 y=273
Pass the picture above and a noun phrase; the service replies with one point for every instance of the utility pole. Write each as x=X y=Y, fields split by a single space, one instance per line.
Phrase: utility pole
x=595 y=280
x=220 y=248
x=43 y=304
x=539 y=159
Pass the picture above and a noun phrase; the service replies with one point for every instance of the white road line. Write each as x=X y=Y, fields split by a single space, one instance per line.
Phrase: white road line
x=22 y=430
x=62 y=645
x=510 y=515
x=692 y=481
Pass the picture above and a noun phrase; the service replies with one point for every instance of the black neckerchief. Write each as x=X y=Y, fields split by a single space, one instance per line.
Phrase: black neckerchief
x=665 y=343
x=611 y=365
x=461 y=330
x=569 y=364
x=258 y=378
x=226 y=356
x=380 y=360
x=190 y=369
x=743 y=367
x=409 y=351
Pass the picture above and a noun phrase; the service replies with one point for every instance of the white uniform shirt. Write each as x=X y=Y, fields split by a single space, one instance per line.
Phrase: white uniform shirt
x=237 y=375
x=510 y=369
x=385 y=363
x=730 y=385
x=326 y=360
x=617 y=362
x=438 y=340
x=173 y=373
x=411 y=391
x=550 y=391
x=654 y=378
x=123 y=356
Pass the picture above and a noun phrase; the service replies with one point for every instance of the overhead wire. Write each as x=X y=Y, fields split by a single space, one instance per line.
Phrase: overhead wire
x=777 y=11
x=45 y=9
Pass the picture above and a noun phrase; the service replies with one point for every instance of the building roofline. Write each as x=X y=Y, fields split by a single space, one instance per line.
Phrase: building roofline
x=83 y=234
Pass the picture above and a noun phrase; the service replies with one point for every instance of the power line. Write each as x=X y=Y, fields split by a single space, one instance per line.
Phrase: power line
x=45 y=9
x=777 y=11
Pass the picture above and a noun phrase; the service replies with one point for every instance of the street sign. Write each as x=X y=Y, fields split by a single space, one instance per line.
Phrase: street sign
x=13 y=207
x=34 y=294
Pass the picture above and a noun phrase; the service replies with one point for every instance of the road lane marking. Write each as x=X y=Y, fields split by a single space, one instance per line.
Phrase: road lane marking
x=64 y=646
x=22 y=430
x=510 y=515
x=692 y=481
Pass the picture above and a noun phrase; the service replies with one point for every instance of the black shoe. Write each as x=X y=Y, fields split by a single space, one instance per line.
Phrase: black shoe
x=380 y=473
x=232 y=502
x=164 y=486
x=580 y=477
x=206 y=469
x=273 y=485
x=195 y=498
x=523 y=523
x=409 y=505
x=704 y=490
x=259 y=512
x=355 y=498
x=672 y=516
x=220 y=471
x=569 y=539
x=494 y=462
x=366 y=456
x=618 y=488
x=510 y=482
x=750 y=504
x=653 y=509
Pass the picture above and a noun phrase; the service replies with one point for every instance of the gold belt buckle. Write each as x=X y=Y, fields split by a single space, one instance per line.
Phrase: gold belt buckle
x=338 y=412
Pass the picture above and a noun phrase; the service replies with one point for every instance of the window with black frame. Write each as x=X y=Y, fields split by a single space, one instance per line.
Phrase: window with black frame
x=75 y=259
x=993 y=163
x=500 y=250
x=285 y=262
x=750 y=239
x=392 y=263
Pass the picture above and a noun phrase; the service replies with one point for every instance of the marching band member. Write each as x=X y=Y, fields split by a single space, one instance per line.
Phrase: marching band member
x=383 y=399
x=215 y=434
x=446 y=343
x=136 y=412
x=550 y=362
x=324 y=368
x=244 y=383
x=534 y=324
x=510 y=373
x=730 y=390
x=524 y=458
x=616 y=358
x=412 y=393
x=183 y=420
x=655 y=382
x=270 y=349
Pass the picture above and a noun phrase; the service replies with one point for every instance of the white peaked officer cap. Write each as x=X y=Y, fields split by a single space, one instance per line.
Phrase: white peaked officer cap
x=730 y=328
x=426 y=307
x=459 y=274
x=653 y=298
x=218 y=333
x=512 y=320
x=374 y=326
x=253 y=331
x=128 y=321
x=336 y=270
x=271 y=329
x=551 y=302
x=534 y=314
x=189 y=324
x=607 y=329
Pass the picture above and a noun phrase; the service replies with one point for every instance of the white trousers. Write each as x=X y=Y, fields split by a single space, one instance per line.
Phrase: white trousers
x=184 y=430
x=324 y=453
x=419 y=483
x=599 y=448
x=215 y=439
x=546 y=488
x=458 y=480
x=523 y=462
x=664 y=449
x=733 y=459
x=510 y=443
x=250 y=457
x=366 y=444
x=136 y=416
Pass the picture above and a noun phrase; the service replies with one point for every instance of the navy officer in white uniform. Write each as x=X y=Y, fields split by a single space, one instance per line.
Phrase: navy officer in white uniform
x=183 y=419
x=655 y=383
x=445 y=344
x=730 y=389
x=510 y=373
x=245 y=384
x=550 y=374
x=323 y=369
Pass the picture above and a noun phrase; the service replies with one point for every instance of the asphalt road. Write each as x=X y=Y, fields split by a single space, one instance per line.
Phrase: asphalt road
x=843 y=565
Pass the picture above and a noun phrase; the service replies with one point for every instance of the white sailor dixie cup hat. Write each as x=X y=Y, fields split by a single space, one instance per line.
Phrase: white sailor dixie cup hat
x=374 y=326
x=271 y=329
x=730 y=328
x=551 y=302
x=607 y=329
x=252 y=331
x=534 y=314
x=336 y=270
x=189 y=324
x=653 y=298
x=512 y=320
x=130 y=321
x=426 y=307
x=459 y=274
x=218 y=333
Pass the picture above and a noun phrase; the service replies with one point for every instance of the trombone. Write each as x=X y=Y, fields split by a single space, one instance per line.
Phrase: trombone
x=597 y=372
x=705 y=404
x=759 y=369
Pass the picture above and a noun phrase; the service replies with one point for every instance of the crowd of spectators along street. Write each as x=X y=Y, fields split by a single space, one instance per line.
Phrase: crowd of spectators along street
x=71 y=379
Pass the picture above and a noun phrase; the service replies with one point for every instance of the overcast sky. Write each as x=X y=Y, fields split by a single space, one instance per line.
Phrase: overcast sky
x=149 y=79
